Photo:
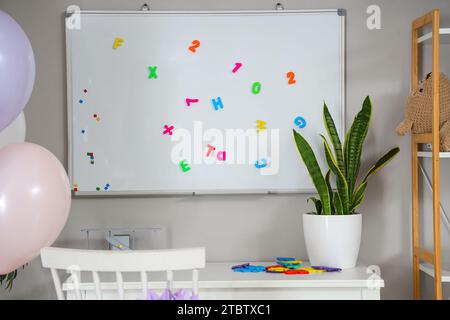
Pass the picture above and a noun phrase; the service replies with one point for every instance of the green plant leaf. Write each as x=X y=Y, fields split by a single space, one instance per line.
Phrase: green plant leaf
x=384 y=160
x=317 y=204
x=334 y=137
x=310 y=160
x=338 y=204
x=354 y=142
x=358 y=196
x=330 y=191
x=341 y=182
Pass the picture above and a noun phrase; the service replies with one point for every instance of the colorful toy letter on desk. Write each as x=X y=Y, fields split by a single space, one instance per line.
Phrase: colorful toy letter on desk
x=248 y=268
x=327 y=269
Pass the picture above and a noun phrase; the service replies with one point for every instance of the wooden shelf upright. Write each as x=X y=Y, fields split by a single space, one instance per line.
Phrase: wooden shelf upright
x=419 y=253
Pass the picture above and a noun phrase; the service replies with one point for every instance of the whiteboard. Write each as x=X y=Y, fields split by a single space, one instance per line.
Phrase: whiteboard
x=119 y=103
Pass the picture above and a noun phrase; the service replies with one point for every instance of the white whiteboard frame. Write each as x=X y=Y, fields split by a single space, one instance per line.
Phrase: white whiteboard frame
x=339 y=12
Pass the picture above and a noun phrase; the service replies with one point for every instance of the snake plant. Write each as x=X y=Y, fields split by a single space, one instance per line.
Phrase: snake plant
x=8 y=279
x=343 y=162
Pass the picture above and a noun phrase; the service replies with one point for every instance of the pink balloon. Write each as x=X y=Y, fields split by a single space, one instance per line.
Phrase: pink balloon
x=34 y=202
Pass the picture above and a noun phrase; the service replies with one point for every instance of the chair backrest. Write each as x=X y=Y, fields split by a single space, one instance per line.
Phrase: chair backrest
x=75 y=261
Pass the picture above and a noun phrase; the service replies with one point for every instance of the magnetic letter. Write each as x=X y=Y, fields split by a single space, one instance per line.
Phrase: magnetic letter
x=184 y=166
x=260 y=125
x=261 y=163
x=168 y=130
x=210 y=149
x=117 y=43
x=256 y=87
x=291 y=77
x=152 y=73
x=194 y=46
x=237 y=65
x=300 y=122
x=189 y=101
x=217 y=103
x=221 y=156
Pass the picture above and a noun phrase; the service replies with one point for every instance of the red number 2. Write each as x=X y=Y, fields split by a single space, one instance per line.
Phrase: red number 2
x=291 y=77
x=194 y=46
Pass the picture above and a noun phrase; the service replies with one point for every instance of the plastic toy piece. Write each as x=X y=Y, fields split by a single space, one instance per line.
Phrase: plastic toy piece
x=276 y=268
x=291 y=77
x=298 y=271
x=237 y=66
x=327 y=269
x=290 y=266
x=96 y=117
x=312 y=270
x=81 y=101
x=152 y=74
x=184 y=166
x=250 y=268
x=168 y=129
x=222 y=155
x=289 y=261
x=217 y=103
x=300 y=122
x=261 y=164
x=256 y=87
x=91 y=156
x=285 y=259
x=261 y=125
x=189 y=101
x=240 y=266
x=106 y=188
x=98 y=188
x=210 y=149
x=75 y=187
x=194 y=46
x=118 y=43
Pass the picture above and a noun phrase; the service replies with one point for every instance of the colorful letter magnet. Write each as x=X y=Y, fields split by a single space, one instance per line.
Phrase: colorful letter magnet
x=327 y=269
x=298 y=271
x=285 y=259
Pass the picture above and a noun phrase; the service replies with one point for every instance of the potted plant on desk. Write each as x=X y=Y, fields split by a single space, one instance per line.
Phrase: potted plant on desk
x=333 y=232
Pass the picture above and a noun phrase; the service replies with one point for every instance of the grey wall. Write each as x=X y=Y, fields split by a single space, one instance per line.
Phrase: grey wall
x=244 y=227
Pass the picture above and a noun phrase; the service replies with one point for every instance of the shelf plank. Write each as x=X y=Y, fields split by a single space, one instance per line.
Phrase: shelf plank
x=442 y=31
x=429 y=270
x=429 y=154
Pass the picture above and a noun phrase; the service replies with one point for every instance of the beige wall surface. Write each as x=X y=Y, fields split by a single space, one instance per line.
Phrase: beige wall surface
x=243 y=227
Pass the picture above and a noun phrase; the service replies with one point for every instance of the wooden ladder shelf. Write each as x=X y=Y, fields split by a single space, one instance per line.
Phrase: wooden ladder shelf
x=419 y=253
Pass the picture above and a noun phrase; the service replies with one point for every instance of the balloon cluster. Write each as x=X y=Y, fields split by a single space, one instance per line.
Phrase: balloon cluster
x=34 y=188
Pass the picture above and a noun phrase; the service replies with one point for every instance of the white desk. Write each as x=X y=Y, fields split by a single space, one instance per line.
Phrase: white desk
x=218 y=281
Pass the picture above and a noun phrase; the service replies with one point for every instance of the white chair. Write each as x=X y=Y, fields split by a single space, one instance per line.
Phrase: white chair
x=75 y=261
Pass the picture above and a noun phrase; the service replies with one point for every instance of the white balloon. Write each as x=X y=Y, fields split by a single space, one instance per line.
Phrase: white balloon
x=15 y=132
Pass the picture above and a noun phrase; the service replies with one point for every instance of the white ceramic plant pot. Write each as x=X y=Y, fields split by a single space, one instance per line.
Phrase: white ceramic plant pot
x=332 y=240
